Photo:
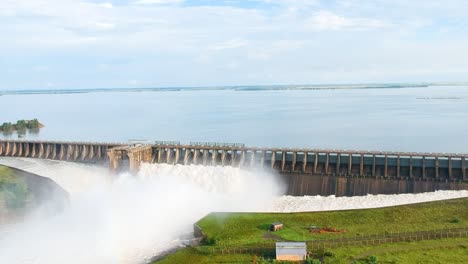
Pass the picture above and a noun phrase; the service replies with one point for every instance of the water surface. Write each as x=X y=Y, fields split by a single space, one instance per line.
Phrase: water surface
x=433 y=119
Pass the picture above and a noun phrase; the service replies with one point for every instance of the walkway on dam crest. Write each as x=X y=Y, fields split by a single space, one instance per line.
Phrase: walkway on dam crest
x=341 y=163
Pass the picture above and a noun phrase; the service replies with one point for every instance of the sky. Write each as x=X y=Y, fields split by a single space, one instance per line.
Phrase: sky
x=64 y=44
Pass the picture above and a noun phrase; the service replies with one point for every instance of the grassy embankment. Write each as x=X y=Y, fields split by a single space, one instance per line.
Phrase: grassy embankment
x=243 y=230
x=13 y=190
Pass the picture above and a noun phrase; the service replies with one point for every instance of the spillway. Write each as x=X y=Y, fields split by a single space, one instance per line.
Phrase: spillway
x=130 y=218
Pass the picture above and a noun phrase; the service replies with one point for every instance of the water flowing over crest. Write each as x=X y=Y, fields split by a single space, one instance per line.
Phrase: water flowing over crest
x=134 y=217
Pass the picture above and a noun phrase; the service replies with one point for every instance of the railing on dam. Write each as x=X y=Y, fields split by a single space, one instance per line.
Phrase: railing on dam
x=345 y=163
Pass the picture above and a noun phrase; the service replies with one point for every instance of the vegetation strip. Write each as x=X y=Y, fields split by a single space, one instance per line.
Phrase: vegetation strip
x=244 y=235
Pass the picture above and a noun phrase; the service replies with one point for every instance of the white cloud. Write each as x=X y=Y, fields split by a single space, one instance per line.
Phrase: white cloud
x=106 y=5
x=157 y=2
x=230 y=44
x=104 y=26
x=325 y=20
x=293 y=41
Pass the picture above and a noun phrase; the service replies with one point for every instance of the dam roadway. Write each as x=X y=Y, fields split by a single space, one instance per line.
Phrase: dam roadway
x=307 y=171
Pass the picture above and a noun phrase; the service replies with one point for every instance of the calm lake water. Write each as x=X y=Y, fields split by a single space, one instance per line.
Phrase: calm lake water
x=433 y=119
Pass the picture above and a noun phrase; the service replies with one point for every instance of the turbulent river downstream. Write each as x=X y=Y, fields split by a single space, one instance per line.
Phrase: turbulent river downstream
x=131 y=218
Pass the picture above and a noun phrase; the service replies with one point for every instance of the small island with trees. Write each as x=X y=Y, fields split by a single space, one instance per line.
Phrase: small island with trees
x=21 y=125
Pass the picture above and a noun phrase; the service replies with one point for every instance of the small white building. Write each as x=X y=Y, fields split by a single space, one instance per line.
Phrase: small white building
x=291 y=251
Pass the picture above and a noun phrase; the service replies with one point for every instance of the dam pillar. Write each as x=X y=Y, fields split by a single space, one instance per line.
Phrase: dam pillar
x=423 y=167
x=224 y=157
x=33 y=150
x=98 y=152
x=398 y=166
x=338 y=161
x=169 y=156
x=450 y=168
x=42 y=151
x=70 y=151
x=84 y=152
x=186 y=156
x=437 y=167
x=361 y=166
x=91 y=154
x=273 y=158
x=386 y=167
x=327 y=161
x=373 y=165
x=77 y=152
x=19 y=151
x=176 y=159
x=137 y=155
x=316 y=162
x=7 y=148
x=214 y=157
x=294 y=160
x=26 y=149
x=115 y=158
x=283 y=160
x=304 y=163
x=196 y=154
x=205 y=156
x=463 y=166
x=13 y=149
x=350 y=163
x=411 y=167
x=160 y=154
x=62 y=152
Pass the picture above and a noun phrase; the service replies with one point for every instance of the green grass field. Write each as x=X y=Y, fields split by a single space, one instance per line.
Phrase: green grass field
x=227 y=230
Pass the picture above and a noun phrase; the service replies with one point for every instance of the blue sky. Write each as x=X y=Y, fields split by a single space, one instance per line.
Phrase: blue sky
x=57 y=44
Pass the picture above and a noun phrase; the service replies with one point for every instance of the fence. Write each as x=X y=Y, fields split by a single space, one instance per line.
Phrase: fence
x=217 y=144
x=268 y=248
x=373 y=240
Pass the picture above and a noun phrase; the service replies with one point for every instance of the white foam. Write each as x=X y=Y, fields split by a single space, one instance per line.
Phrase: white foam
x=329 y=203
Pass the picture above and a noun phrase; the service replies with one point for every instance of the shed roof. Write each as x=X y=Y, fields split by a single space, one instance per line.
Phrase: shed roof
x=291 y=248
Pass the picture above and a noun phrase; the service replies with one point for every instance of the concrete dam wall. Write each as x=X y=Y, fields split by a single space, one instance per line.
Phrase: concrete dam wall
x=307 y=171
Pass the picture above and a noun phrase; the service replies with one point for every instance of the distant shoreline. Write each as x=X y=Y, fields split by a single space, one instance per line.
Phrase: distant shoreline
x=232 y=88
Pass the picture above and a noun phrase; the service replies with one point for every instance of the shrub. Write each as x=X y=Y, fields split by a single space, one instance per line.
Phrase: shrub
x=372 y=260
x=313 y=261
x=455 y=220
x=210 y=240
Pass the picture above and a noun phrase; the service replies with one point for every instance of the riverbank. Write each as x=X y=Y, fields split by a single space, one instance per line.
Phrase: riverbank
x=235 y=232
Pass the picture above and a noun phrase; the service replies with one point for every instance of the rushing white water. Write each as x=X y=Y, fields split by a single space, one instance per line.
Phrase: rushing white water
x=130 y=218
x=133 y=217
x=329 y=203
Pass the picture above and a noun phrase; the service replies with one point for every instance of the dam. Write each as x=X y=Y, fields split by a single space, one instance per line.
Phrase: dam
x=307 y=171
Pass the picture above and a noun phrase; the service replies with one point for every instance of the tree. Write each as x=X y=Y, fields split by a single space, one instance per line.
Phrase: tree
x=7 y=127
x=21 y=125
x=33 y=124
